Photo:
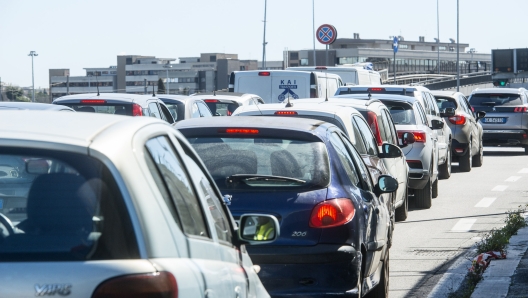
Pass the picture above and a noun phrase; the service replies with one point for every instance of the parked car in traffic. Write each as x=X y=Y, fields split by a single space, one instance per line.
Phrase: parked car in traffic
x=467 y=146
x=334 y=224
x=14 y=106
x=104 y=206
x=506 y=120
x=225 y=103
x=184 y=107
x=350 y=74
x=118 y=104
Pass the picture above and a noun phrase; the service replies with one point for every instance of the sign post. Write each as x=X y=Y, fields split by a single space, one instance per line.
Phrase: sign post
x=395 y=46
x=326 y=34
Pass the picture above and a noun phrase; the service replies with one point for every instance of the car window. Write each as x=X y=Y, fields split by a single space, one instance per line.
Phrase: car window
x=118 y=109
x=176 y=184
x=370 y=142
x=154 y=111
x=465 y=106
x=59 y=206
x=389 y=127
x=421 y=113
x=357 y=140
x=195 y=112
x=446 y=102
x=166 y=114
x=401 y=113
x=426 y=103
x=495 y=99
x=365 y=174
x=384 y=128
x=433 y=105
x=345 y=158
x=204 y=110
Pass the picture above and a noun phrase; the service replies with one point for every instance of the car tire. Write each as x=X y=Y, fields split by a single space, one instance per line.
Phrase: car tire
x=444 y=171
x=403 y=210
x=478 y=159
x=382 y=289
x=435 y=189
x=424 y=197
x=464 y=162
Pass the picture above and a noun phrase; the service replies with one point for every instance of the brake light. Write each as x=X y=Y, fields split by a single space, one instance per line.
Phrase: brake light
x=159 y=284
x=419 y=136
x=265 y=73
x=458 y=119
x=376 y=89
x=332 y=213
x=520 y=110
x=320 y=67
x=137 y=110
x=93 y=101
x=285 y=113
x=373 y=122
x=211 y=100
x=242 y=131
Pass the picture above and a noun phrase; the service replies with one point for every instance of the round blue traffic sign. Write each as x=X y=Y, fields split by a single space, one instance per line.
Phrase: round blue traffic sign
x=326 y=34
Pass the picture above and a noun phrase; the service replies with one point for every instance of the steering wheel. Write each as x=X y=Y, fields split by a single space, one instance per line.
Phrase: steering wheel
x=6 y=222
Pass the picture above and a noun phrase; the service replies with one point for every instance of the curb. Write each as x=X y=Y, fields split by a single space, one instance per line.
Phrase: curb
x=497 y=277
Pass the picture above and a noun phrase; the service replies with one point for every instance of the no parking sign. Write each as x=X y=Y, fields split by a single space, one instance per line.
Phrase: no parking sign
x=326 y=34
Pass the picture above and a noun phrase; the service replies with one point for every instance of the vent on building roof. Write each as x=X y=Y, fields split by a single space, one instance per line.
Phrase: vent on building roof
x=356 y=36
x=422 y=38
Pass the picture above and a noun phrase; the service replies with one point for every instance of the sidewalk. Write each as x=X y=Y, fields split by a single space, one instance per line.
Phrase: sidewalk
x=507 y=277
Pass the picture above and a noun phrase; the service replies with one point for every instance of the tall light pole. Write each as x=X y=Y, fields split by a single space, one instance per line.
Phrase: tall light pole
x=313 y=27
x=438 y=35
x=33 y=54
x=264 y=42
x=458 y=49
x=167 y=66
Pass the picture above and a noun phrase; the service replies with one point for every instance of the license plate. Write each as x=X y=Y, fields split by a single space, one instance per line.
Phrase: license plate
x=494 y=120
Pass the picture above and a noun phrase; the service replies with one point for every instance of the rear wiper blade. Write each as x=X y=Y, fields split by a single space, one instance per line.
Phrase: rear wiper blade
x=256 y=177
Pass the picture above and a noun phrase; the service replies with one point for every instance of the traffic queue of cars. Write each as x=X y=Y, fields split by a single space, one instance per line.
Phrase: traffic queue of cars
x=297 y=198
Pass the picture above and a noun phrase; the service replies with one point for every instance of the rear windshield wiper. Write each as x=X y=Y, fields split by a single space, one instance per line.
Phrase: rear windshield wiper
x=255 y=177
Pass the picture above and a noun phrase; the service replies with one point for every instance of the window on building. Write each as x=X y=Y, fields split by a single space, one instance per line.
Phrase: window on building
x=212 y=58
x=242 y=67
x=442 y=48
x=128 y=60
x=304 y=62
x=412 y=47
x=403 y=46
x=343 y=46
x=294 y=55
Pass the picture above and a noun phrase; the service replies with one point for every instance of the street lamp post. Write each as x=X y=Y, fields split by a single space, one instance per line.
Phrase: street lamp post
x=313 y=27
x=458 y=49
x=438 y=36
x=33 y=54
x=167 y=66
x=264 y=42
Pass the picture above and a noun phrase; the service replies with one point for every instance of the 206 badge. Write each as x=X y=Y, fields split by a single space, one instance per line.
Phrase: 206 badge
x=52 y=289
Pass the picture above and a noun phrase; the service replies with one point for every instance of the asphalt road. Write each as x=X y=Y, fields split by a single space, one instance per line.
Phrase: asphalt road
x=468 y=205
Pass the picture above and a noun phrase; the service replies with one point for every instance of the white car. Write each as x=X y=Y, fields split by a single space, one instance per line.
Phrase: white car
x=225 y=103
x=106 y=205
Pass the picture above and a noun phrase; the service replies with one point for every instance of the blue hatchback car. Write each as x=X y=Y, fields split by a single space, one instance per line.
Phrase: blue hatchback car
x=334 y=226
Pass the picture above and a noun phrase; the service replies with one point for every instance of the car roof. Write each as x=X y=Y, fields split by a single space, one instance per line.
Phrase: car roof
x=179 y=98
x=445 y=93
x=391 y=97
x=235 y=96
x=300 y=106
x=499 y=90
x=80 y=129
x=108 y=96
x=10 y=105
x=349 y=100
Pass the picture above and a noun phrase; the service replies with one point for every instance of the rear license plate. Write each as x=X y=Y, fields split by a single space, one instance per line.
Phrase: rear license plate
x=494 y=120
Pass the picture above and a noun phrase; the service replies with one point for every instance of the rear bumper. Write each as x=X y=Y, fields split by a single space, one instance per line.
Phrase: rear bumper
x=418 y=178
x=505 y=137
x=308 y=271
x=459 y=149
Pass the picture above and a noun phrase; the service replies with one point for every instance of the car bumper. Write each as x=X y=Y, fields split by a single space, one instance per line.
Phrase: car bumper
x=418 y=178
x=505 y=137
x=308 y=271
x=459 y=149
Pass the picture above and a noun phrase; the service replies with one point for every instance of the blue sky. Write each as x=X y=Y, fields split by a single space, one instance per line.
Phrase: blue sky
x=75 y=34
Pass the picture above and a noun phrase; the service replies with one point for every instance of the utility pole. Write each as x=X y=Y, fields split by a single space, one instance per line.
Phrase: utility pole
x=313 y=27
x=167 y=66
x=458 y=49
x=33 y=54
x=438 y=36
x=264 y=42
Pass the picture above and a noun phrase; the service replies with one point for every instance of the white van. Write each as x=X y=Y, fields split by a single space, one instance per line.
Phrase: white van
x=275 y=86
x=351 y=75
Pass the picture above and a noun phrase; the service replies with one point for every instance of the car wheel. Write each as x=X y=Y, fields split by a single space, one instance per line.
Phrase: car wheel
x=464 y=162
x=435 y=189
x=424 y=196
x=444 y=171
x=478 y=159
x=403 y=210
x=382 y=289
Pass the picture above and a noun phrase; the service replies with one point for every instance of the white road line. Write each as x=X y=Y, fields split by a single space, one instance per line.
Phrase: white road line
x=500 y=188
x=513 y=178
x=486 y=202
x=463 y=225
x=523 y=171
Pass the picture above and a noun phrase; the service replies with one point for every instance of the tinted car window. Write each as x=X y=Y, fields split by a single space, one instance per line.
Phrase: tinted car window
x=365 y=174
x=63 y=206
x=176 y=183
x=358 y=141
x=221 y=108
x=422 y=114
x=118 y=109
x=177 y=110
x=154 y=111
x=445 y=102
x=492 y=100
x=370 y=142
x=389 y=127
x=401 y=113
x=345 y=158
x=204 y=110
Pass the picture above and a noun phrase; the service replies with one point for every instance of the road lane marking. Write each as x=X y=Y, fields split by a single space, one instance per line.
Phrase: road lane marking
x=500 y=188
x=523 y=171
x=513 y=178
x=486 y=202
x=464 y=225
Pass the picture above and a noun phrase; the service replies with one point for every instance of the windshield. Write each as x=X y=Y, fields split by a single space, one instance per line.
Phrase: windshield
x=499 y=99
x=264 y=162
x=56 y=206
x=401 y=113
x=119 y=109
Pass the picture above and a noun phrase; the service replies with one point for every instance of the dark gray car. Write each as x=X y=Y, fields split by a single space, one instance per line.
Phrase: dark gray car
x=466 y=147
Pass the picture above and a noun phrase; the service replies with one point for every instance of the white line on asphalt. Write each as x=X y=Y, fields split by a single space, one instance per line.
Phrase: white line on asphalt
x=513 y=178
x=500 y=188
x=463 y=225
x=486 y=202
x=523 y=171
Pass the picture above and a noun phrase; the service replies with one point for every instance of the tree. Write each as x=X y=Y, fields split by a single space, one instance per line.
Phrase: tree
x=161 y=87
x=14 y=93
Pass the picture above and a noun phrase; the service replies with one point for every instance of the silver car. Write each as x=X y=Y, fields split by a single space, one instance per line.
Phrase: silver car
x=506 y=119
x=467 y=146
x=114 y=206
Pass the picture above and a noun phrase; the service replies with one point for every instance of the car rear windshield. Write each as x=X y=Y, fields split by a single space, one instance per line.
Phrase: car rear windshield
x=57 y=206
x=177 y=110
x=221 y=108
x=264 y=163
x=497 y=99
x=402 y=113
x=365 y=90
x=118 y=109
x=445 y=102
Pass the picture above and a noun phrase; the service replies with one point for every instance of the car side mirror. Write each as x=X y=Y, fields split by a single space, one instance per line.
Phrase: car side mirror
x=448 y=112
x=386 y=184
x=480 y=115
x=257 y=229
x=389 y=151
x=437 y=124
x=408 y=138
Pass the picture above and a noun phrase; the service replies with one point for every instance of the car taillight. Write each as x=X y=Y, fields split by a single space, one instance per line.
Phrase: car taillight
x=241 y=131
x=373 y=122
x=458 y=119
x=321 y=67
x=332 y=213
x=93 y=101
x=136 y=110
x=264 y=73
x=419 y=136
x=211 y=100
x=159 y=284
x=285 y=113
x=520 y=110
x=376 y=89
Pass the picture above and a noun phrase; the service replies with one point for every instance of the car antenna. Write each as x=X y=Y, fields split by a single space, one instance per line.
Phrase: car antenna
x=214 y=92
x=326 y=83
x=289 y=104
x=97 y=83
x=153 y=94
x=257 y=105
x=369 y=95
